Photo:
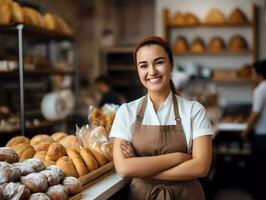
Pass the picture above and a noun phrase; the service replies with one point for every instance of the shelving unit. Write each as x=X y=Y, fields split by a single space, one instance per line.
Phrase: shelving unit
x=119 y=64
x=40 y=36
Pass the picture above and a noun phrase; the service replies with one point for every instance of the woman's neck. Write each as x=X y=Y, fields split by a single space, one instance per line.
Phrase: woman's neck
x=158 y=98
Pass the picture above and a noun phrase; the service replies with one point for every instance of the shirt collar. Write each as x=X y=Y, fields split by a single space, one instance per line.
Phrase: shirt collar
x=167 y=101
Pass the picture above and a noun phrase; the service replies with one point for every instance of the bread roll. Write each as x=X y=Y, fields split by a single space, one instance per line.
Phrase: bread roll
x=55 y=151
x=215 y=16
x=40 y=155
x=17 y=13
x=191 y=19
x=198 y=46
x=30 y=165
x=181 y=45
x=58 y=136
x=36 y=182
x=237 y=17
x=27 y=153
x=39 y=196
x=41 y=138
x=178 y=19
x=8 y=172
x=49 y=21
x=5 y=12
x=8 y=154
x=20 y=148
x=42 y=146
x=49 y=162
x=73 y=185
x=17 y=140
x=67 y=166
x=216 y=44
x=99 y=157
x=66 y=141
x=57 y=170
x=57 y=192
x=78 y=162
x=238 y=43
x=14 y=191
x=51 y=176
x=89 y=159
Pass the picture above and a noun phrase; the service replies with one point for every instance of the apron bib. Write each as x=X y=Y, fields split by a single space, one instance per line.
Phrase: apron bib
x=151 y=140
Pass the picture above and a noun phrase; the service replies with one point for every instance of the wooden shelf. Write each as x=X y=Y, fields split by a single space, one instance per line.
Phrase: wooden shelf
x=205 y=25
x=118 y=49
x=37 y=72
x=226 y=53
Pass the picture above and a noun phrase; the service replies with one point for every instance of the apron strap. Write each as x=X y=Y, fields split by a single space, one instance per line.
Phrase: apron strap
x=177 y=116
x=140 y=114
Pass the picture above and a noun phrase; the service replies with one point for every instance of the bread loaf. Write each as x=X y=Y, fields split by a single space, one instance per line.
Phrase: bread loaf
x=14 y=191
x=49 y=21
x=237 y=17
x=5 y=12
x=41 y=146
x=51 y=176
x=27 y=153
x=99 y=157
x=39 y=196
x=78 y=162
x=57 y=192
x=41 y=138
x=181 y=45
x=215 y=16
x=216 y=44
x=89 y=159
x=8 y=172
x=17 y=140
x=36 y=182
x=8 y=154
x=73 y=185
x=55 y=151
x=238 y=43
x=30 y=165
x=67 y=166
x=198 y=46
x=17 y=13
x=191 y=19
x=57 y=170
x=58 y=136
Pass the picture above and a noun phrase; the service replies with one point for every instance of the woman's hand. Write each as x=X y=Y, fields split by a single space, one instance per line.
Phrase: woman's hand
x=127 y=149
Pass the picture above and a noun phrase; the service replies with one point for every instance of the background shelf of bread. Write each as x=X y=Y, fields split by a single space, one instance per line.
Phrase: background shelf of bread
x=12 y=12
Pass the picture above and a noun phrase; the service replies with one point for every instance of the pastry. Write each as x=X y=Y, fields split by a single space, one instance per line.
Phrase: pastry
x=57 y=192
x=58 y=136
x=41 y=138
x=40 y=155
x=237 y=17
x=198 y=46
x=49 y=162
x=20 y=148
x=55 y=151
x=14 y=191
x=36 y=182
x=57 y=169
x=215 y=16
x=216 y=44
x=72 y=184
x=70 y=142
x=238 y=43
x=67 y=166
x=17 y=140
x=181 y=45
x=78 y=162
x=8 y=172
x=27 y=153
x=30 y=165
x=89 y=159
x=52 y=177
x=39 y=196
x=8 y=154
x=42 y=146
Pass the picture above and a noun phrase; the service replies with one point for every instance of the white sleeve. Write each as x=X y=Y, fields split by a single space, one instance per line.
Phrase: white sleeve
x=201 y=124
x=257 y=101
x=120 y=127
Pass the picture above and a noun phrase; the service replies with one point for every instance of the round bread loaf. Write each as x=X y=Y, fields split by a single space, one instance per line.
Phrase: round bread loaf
x=40 y=155
x=181 y=45
x=72 y=184
x=8 y=172
x=55 y=151
x=5 y=12
x=14 y=191
x=41 y=146
x=237 y=17
x=49 y=162
x=49 y=21
x=8 y=154
x=41 y=138
x=39 y=196
x=57 y=192
x=17 y=13
x=67 y=166
x=57 y=170
x=17 y=140
x=99 y=157
x=198 y=46
x=78 y=162
x=238 y=43
x=30 y=165
x=36 y=182
x=191 y=19
x=58 y=136
x=89 y=159
x=215 y=16
x=27 y=153
x=51 y=176
x=216 y=44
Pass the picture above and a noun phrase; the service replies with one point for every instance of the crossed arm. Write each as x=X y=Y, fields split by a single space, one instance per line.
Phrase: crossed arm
x=171 y=166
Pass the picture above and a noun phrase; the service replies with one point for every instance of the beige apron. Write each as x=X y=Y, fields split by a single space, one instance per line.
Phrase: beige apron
x=150 y=140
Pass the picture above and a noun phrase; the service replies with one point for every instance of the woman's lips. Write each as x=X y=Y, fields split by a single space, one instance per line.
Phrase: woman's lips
x=154 y=80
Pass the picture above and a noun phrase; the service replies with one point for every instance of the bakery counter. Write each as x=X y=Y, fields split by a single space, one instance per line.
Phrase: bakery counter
x=231 y=126
x=103 y=187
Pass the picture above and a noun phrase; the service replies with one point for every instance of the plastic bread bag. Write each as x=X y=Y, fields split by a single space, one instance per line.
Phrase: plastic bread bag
x=95 y=117
x=109 y=111
x=13 y=191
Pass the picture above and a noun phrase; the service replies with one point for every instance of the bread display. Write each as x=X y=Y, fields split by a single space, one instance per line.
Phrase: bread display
x=72 y=184
x=9 y=155
x=36 y=182
x=57 y=192
x=57 y=170
x=30 y=165
x=238 y=43
x=237 y=17
x=17 y=140
x=52 y=177
x=41 y=146
x=181 y=45
x=39 y=196
x=216 y=44
x=78 y=162
x=8 y=172
x=14 y=191
x=41 y=138
x=58 y=136
x=55 y=151
x=197 y=46
x=215 y=16
x=67 y=166
x=89 y=159
x=31 y=16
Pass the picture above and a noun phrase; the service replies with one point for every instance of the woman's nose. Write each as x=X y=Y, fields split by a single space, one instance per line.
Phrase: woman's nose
x=152 y=70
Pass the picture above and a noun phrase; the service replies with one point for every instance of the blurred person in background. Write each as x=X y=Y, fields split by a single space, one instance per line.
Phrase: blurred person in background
x=256 y=124
x=103 y=84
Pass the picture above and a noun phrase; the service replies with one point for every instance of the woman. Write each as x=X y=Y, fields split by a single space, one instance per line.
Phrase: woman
x=161 y=140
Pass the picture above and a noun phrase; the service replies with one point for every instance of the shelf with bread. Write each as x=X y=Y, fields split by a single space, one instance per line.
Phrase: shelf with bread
x=37 y=72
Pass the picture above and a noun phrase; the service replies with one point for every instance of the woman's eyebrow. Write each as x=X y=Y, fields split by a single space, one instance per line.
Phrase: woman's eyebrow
x=142 y=62
x=159 y=58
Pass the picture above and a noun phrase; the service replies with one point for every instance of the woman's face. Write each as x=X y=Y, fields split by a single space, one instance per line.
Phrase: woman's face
x=154 y=67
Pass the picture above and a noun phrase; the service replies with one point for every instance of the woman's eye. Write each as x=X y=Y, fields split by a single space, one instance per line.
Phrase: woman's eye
x=142 y=66
x=159 y=62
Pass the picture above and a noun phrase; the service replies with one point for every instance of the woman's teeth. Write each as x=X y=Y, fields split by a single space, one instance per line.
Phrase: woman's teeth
x=154 y=80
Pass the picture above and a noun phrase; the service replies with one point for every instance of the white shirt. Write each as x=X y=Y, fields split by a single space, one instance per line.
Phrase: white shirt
x=193 y=118
x=259 y=105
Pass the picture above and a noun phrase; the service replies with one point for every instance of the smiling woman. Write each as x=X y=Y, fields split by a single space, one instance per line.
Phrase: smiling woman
x=162 y=140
